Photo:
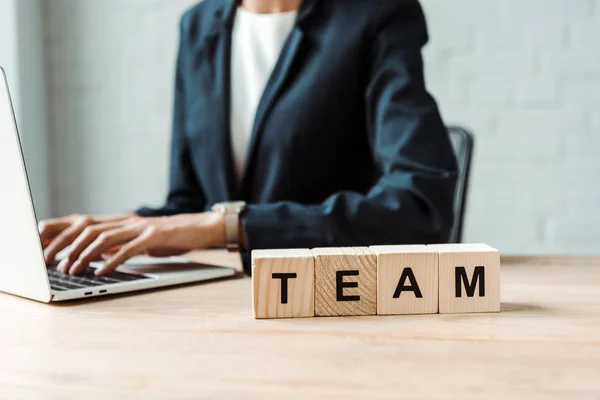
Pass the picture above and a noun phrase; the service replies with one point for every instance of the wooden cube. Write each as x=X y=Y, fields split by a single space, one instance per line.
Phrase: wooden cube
x=407 y=280
x=345 y=281
x=469 y=278
x=283 y=283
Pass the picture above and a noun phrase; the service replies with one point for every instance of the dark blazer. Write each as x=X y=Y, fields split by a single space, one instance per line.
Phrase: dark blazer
x=348 y=148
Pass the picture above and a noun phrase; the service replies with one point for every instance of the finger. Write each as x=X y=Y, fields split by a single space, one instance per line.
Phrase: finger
x=87 y=237
x=51 y=228
x=65 y=238
x=104 y=242
x=136 y=247
x=47 y=241
x=110 y=252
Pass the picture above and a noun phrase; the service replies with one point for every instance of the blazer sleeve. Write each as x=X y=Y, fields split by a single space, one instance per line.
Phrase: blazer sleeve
x=412 y=202
x=185 y=194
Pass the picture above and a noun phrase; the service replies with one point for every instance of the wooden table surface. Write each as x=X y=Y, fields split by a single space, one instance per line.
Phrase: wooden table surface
x=200 y=341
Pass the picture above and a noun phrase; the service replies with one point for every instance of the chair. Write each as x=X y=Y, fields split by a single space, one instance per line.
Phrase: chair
x=462 y=142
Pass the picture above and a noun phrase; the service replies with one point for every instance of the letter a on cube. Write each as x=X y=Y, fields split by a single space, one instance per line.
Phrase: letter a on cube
x=283 y=283
x=407 y=279
x=469 y=278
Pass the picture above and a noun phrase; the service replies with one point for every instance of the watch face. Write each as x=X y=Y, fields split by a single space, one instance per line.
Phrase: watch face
x=235 y=206
x=238 y=206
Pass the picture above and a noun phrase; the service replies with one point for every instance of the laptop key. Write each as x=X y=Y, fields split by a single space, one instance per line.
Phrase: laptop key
x=61 y=282
x=108 y=280
x=70 y=285
x=58 y=287
x=89 y=282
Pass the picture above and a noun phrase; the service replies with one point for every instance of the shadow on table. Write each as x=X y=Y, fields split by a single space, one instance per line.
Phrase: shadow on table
x=520 y=307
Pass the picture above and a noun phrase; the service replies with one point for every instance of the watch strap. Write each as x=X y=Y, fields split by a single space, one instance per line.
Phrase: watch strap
x=231 y=215
x=232 y=231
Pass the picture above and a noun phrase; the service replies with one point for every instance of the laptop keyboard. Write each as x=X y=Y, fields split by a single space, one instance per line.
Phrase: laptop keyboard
x=60 y=282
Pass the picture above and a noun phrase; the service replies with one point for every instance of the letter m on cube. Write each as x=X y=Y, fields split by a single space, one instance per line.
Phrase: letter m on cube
x=469 y=278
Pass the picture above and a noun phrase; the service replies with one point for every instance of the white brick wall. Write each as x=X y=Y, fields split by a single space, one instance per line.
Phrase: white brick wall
x=524 y=75
x=110 y=80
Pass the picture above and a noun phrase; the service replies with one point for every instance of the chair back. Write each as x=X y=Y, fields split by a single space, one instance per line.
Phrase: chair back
x=462 y=142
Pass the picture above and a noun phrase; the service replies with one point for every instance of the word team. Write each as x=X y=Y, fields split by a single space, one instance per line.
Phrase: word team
x=376 y=280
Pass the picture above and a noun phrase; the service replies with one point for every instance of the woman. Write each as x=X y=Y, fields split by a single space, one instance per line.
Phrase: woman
x=312 y=113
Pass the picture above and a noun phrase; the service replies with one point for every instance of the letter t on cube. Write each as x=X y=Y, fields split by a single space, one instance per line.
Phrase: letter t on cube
x=283 y=283
x=469 y=278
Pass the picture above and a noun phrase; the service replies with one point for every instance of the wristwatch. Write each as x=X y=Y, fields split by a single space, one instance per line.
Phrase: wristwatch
x=231 y=212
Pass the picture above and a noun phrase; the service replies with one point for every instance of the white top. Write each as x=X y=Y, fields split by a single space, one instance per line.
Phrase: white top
x=257 y=41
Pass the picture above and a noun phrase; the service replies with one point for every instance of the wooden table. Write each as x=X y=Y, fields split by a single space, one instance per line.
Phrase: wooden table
x=201 y=341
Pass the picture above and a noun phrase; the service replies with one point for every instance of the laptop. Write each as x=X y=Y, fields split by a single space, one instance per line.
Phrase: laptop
x=23 y=271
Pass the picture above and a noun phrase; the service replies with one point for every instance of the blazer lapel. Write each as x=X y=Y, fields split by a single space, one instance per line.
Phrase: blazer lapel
x=275 y=84
x=216 y=47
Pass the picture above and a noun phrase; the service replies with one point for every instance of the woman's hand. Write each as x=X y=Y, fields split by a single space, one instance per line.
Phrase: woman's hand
x=126 y=238
x=57 y=234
